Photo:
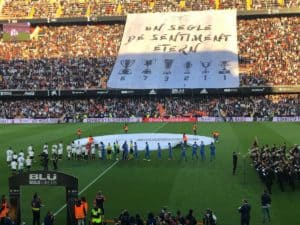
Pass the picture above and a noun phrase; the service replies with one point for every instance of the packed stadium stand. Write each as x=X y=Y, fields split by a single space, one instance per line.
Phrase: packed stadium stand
x=62 y=56
x=78 y=54
x=115 y=107
x=86 y=8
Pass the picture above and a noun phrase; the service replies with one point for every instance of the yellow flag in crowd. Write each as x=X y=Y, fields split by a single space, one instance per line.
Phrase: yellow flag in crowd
x=248 y=4
x=35 y=33
x=88 y=11
x=281 y=2
x=217 y=3
x=119 y=9
x=31 y=13
x=151 y=4
x=182 y=4
x=59 y=11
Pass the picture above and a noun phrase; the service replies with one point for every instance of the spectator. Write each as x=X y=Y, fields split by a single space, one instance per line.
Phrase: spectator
x=190 y=219
x=75 y=8
x=209 y=218
x=249 y=106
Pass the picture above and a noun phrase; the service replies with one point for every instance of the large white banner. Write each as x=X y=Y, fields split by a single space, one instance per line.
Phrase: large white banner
x=178 y=50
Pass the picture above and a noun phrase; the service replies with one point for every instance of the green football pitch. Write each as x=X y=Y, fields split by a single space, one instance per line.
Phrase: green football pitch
x=141 y=186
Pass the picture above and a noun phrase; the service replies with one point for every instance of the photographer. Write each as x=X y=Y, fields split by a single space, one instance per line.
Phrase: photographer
x=209 y=218
x=49 y=219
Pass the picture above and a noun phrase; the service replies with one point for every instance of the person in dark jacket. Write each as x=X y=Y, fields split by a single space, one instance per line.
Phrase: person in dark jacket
x=190 y=219
x=245 y=210
x=7 y=220
x=138 y=220
x=209 y=218
x=99 y=200
x=234 y=162
x=151 y=219
x=49 y=218
x=265 y=204
x=36 y=205
x=124 y=217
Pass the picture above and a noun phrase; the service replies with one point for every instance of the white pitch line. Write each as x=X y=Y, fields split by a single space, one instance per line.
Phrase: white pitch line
x=157 y=129
x=90 y=184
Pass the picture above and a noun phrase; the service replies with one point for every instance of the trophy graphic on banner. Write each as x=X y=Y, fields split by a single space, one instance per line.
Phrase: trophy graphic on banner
x=126 y=64
x=168 y=65
x=224 y=64
x=187 y=67
x=148 y=63
x=205 y=65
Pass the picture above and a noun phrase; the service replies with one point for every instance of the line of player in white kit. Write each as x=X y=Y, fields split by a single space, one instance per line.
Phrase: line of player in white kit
x=17 y=161
x=57 y=150
x=90 y=150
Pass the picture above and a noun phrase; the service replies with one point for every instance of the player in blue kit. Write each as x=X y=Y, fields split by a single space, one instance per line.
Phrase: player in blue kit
x=103 y=152
x=202 y=151
x=159 y=153
x=135 y=149
x=170 y=151
x=194 y=150
x=183 y=152
x=125 y=151
x=212 y=148
x=147 y=152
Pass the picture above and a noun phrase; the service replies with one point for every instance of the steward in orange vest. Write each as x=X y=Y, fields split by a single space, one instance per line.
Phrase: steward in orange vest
x=195 y=128
x=79 y=133
x=216 y=136
x=125 y=128
x=4 y=209
x=80 y=213
x=185 y=139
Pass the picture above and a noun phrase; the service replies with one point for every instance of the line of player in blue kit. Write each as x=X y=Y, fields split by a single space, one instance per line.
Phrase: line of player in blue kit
x=131 y=151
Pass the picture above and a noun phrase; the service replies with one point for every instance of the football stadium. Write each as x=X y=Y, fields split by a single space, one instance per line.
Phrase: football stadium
x=155 y=112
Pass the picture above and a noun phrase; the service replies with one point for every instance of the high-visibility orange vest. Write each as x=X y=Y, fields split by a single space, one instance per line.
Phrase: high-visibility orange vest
x=4 y=207
x=185 y=138
x=86 y=206
x=215 y=134
x=79 y=212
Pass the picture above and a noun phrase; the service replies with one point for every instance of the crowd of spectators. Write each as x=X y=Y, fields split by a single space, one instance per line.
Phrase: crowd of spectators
x=255 y=106
x=64 y=57
x=269 y=48
x=166 y=217
x=82 y=56
x=85 y=8
x=276 y=162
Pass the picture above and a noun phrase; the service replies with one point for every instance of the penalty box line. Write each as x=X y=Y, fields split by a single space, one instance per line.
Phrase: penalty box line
x=89 y=185
x=101 y=175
